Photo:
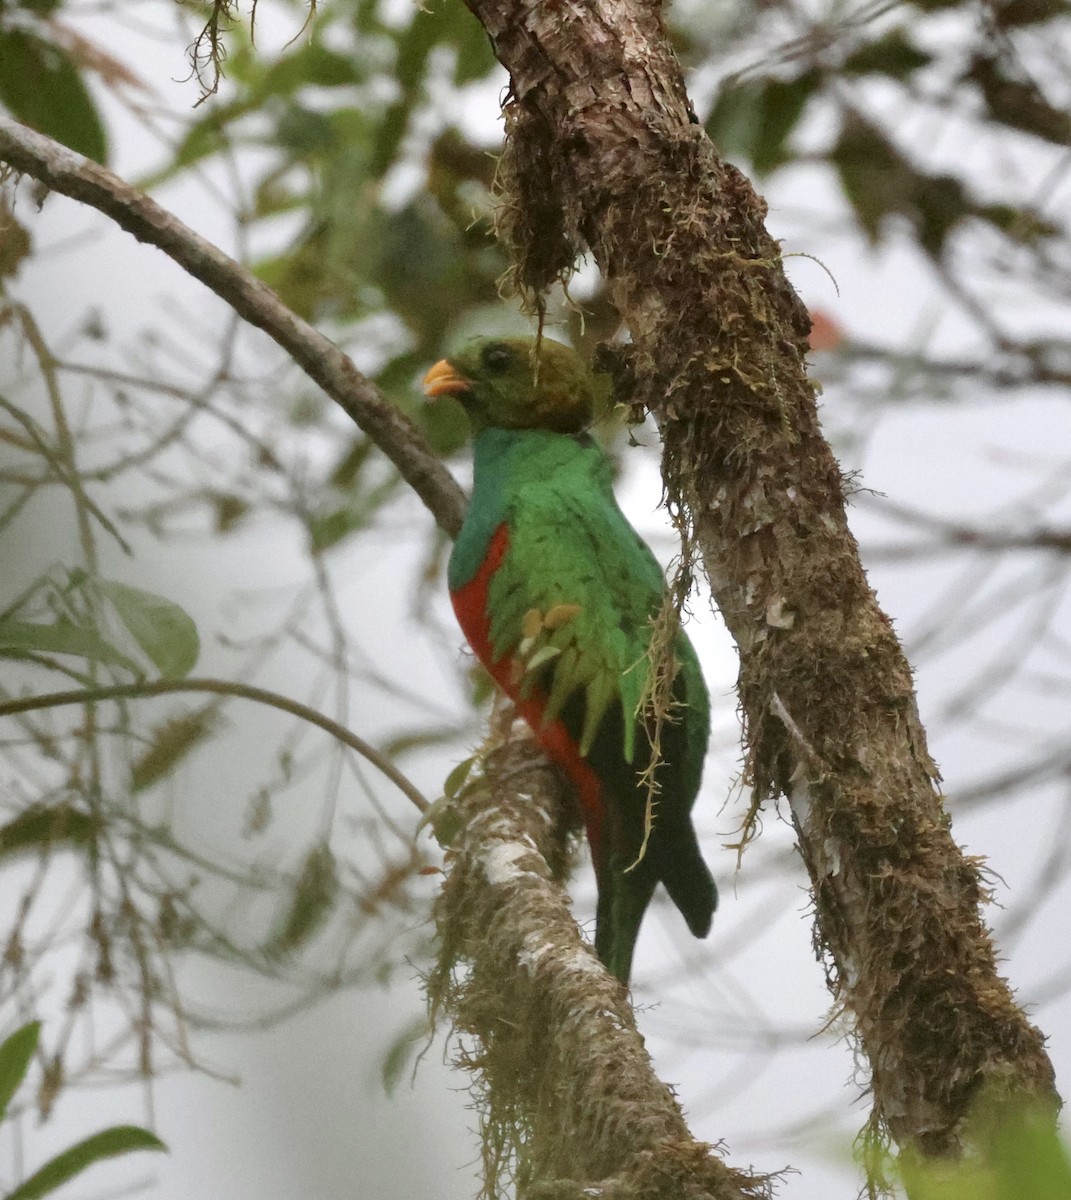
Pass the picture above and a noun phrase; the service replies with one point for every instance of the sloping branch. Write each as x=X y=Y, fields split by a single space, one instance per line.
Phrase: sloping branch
x=144 y=689
x=569 y=1103
x=81 y=179
x=603 y=152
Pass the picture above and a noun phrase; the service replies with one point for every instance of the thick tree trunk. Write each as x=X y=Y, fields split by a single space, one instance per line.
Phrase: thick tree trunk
x=603 y=153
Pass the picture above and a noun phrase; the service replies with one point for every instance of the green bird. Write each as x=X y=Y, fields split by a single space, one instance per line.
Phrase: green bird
x=556 y=594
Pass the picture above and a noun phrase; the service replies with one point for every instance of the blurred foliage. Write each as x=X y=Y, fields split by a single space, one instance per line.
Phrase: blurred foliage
x=345 y=110
x=76 y=618
x=1021 y=1154
x=881 y=65
x=42 y=85
x=16 y=1056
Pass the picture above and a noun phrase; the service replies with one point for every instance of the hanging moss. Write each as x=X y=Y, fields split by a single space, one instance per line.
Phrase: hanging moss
x=569 y=1105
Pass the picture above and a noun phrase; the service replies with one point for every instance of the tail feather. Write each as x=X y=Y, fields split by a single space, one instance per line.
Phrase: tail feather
x=689 y=882
x=623 y=900
x=672 y=855
x=624 y=897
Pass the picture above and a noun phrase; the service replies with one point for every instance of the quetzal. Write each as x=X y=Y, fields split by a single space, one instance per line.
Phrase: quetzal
x=556 y=594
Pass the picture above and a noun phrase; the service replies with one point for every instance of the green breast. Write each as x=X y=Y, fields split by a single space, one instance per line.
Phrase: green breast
x=512 y=464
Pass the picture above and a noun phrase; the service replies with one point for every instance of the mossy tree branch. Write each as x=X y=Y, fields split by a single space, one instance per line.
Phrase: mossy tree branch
x=602 y=153
x=569 y=1103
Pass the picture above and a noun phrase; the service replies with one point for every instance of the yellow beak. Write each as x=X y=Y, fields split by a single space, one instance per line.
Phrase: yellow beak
x=444 y=380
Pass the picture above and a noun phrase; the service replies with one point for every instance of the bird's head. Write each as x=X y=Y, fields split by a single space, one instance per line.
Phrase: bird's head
x=517 y=383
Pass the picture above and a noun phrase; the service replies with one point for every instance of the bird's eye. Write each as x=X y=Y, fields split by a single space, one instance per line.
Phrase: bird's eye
x=497 y=358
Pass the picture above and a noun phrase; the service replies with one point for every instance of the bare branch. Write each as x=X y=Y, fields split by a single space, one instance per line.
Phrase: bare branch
x=81 y=179
x=949 y=534
x=220 y=687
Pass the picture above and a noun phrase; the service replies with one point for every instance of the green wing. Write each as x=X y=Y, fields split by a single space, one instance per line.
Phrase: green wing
x=574 y=597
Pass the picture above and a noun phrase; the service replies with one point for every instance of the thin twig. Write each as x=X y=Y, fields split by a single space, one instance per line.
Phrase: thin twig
x=221 y=687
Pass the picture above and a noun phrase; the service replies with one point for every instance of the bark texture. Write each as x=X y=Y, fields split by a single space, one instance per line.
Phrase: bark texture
x=603 y=152
x=569 y=1103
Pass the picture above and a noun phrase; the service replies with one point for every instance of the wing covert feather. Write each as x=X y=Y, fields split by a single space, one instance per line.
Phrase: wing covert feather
x=570 y=555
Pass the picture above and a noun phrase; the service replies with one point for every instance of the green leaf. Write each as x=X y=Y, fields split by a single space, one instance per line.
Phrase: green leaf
x=345 y=471
x=356 y=513
x=61 y=638
x=1016 y=102
x=49 y=826
x=1030 y=1160
x=1026 y=12
x=943 y=1181
x=207 y=136
x=1025 y=225
x=41 y=8
x=876 y=179
x=458 y=27
x=313 y=899
x=231 y=510
x=164 y=631
x=444 y=821
x=783 y=105
x=442 y=817
x=41 y=86
x=15 y=1056
x=274 y=195
x=483 y=686
x=312 y=64
x=171 y=743
x=306 y=132
x=109 y=1143
x=940 y=202
x=892 y=55
x=755 y=119
x=402 y=1051
x=414 y=46
x=333 y=527
x=389 y=135
x=1018 y=1155
x=455 y=781
x=15 y=241
x=732 y=120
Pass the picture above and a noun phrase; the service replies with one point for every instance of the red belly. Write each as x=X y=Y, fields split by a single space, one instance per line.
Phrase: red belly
x=470 y=605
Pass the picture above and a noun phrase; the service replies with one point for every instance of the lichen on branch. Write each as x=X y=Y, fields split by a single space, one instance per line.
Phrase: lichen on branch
x=568 y=1100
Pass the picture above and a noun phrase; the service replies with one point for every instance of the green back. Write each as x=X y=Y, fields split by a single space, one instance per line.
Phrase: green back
x=570 y=545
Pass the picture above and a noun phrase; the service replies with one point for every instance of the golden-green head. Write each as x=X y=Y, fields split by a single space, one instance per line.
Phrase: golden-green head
x=518 y=383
